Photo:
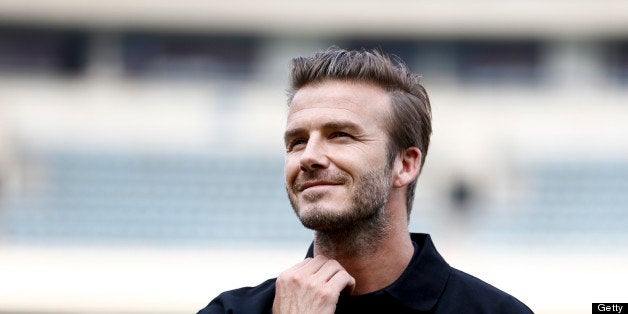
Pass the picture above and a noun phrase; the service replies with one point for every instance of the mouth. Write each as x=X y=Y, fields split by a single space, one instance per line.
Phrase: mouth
x=309 y=184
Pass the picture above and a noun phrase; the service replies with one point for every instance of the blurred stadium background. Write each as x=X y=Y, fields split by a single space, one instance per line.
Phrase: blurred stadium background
x=141 y=163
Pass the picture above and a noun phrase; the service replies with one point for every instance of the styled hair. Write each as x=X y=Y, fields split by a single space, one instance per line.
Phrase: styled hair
x=410 y=122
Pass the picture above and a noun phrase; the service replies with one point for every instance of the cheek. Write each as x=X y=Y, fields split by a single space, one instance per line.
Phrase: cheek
x=360 y=161
x=291 y=170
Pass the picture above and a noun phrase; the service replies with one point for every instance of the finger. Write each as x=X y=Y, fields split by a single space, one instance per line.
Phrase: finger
x=328 y=270
x=300 y=264
x=342 y=281
x=306 y=267
x=313 y=265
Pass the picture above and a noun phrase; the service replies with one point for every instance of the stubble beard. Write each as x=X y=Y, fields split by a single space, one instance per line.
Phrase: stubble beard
x=355 y=230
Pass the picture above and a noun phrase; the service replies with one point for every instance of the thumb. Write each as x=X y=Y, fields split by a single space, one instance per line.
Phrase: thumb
x=350 y=286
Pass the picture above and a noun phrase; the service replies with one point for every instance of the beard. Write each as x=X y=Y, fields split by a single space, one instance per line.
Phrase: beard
x=354 y=229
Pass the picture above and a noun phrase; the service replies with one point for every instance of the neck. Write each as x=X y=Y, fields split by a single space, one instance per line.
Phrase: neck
x=375 y=255
x=354 y=241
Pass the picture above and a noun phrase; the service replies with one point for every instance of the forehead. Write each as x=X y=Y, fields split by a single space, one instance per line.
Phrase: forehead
x=361 y=102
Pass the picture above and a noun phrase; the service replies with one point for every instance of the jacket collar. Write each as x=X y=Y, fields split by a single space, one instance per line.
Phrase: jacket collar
x=423 y=282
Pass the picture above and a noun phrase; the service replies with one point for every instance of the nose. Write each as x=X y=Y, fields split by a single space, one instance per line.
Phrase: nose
x=314 y=156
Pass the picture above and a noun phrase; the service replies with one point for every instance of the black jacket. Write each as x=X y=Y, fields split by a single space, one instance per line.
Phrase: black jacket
x=428 y=285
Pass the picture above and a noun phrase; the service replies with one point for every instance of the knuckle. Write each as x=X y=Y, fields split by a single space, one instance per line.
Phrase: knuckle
x=333 y=263
x=311 y=285
x=327 y=294
x=280 y=282
x=348 y=276
x=283 y=275
x=294 y=278
x=287 y=277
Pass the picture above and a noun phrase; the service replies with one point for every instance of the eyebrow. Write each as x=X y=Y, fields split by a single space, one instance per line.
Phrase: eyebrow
x=342 y=125
x=292 y=133
x=332 y=125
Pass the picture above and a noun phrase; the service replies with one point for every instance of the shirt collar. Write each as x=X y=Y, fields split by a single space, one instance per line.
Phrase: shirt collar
x=422 y=283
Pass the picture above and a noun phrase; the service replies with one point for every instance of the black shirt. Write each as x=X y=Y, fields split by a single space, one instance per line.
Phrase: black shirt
x=428 y=285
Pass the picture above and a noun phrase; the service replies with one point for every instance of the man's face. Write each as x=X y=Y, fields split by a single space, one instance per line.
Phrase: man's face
x=336 y=162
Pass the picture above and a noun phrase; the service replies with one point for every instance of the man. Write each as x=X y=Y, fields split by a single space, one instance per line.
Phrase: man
x=357 y=133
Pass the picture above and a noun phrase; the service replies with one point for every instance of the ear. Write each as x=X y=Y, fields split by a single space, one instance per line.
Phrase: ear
x=407 y=167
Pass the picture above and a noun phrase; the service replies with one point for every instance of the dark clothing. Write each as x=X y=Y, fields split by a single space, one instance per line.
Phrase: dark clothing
x=428 y=285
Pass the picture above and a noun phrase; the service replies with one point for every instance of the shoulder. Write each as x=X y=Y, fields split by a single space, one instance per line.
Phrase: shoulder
x=258 y=299
x=468 y=293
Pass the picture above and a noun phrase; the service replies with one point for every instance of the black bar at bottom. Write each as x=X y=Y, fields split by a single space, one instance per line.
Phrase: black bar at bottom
x=609 y=308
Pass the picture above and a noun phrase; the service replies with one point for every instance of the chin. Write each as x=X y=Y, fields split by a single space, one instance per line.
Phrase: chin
x=323 y=218
x=320 y=208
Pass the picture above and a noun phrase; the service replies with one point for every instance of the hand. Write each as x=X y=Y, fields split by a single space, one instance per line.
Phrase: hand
x=311 y=286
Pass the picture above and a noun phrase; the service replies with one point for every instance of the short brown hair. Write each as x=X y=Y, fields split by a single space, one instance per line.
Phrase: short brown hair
x=410 y=123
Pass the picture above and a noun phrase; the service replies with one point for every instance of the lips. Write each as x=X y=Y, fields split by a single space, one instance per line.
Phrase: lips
x=308 y=184
x=310 y=179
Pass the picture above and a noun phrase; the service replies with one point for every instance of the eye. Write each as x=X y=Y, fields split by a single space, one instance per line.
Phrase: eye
x=296 y=143
x=339 y=134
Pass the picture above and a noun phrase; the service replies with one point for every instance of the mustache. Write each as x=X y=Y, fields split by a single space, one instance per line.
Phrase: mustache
x=319 y=176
